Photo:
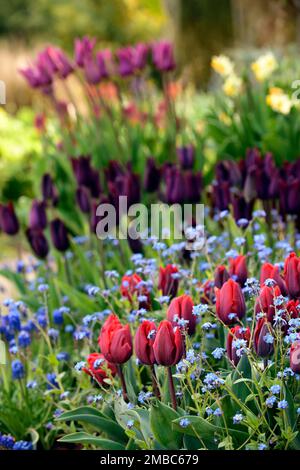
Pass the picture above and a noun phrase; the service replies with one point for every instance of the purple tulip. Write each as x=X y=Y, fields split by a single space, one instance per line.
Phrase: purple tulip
x=8 y=219
x=59 y=235
x=163 y=56
x=83 y=199
x=152 y=176
x=38 y=215
x=126 y=61
x=38 y=242
x=186 y=156
x=83 y=49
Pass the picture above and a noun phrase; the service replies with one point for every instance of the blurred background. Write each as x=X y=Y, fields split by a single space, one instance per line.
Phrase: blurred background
x=198 y=28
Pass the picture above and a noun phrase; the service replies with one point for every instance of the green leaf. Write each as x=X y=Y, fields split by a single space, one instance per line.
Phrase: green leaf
x=206 y=432
x=161 y=417
x=96 y=419
x=85 y=438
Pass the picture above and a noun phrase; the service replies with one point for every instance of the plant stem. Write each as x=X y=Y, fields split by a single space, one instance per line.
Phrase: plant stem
x=172 y=388
x=123 y=383
x=155 y=383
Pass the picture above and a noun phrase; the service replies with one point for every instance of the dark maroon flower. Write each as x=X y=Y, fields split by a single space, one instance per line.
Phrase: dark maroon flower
x=83 y=199
x=262 y=346
x=8 y=219
x=38 y=215
x=292 y=275
x=152 y=176
x=237 y=332
x=59 y=235
x=221 y=276
x=186 y=156
x=38 y=242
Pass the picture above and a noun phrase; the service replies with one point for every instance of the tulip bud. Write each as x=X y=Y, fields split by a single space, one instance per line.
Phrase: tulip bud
x=96 y=370
x=269 y=271
x=295 y=357
x=221 y=195
x=186 y=157
x=8 y=219
x=241 y=208
x=230 y=302
x=181 y=308
x=83 y=199
x=192 y=186
x=143 y=342
x=38 y=215
x=163 y=57
x=233 y=349
x=292 y=275
x=59 y=235
x=168 y=344
x=152 y=176
x=262 y=339
x=221 y=276
x=48 y=189
x=83 y=49
x=129 y=286
x=168 y=280
x=38 y=242
x=238 y=269
x=115 y=341
x=265 y=301
x=207 y=292
x=82 y=169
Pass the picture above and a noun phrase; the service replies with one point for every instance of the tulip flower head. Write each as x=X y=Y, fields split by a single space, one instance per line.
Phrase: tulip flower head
x=238 y=269
x=295 y=357
x=266 y=300
x=237 y=340
x=263 y=338
x=292 y=275
x=168 y=280
x=230 y=302
x=181 y=308
x=97 y=368
x=221 y=276
x=168 y=344
x=115 y=341
x=269 y=271
x=143 y=342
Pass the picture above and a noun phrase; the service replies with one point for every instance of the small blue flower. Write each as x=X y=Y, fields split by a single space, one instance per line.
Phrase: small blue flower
x=43 y=287
x=24 y=339
x=270 y=401
x=275 y=389
x=238 y=418
x=218 y=353
x=18 y=370
x=130 y=423
x=282 y=405
x=184 y=422
x=23 y=445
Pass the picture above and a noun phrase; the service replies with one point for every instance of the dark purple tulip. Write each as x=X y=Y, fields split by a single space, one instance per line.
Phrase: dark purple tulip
x=92 y=70
x=113 y=170
x=126 y=61
x=83 y=49
x=250 y=184
x=83 y=199
x=8 y=219
x=95 y=219
x=175 y=187
x=38 y=242
x=261 y=346
x=48 y=189
x=186 y=156
x=140 y=56
x=221 y=195
x=152 y=176
x=82 y=169
x=289 y=196
x=59 y=235
x=163 y=56
x=94 y=184
x=193 y=186
x=32 y=76
x=38 y=215
x=55 y=61
x=241 y=208
x=136 y=246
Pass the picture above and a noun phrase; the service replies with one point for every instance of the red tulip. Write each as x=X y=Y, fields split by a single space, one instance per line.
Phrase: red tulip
x=182 y=308
x=295 y=357
x=130 y=288
x=221 y=276
x=237 y=332
x=238 y=269
x=115 y=341
x=230 y=300
x=168 y=344
x=261 y=346
x=265 y=301
x=292 y=308
x=143 y=342
x=292 y=275
x=95 y=368
x=269 y=271
x=167 y=280
x=207 y=292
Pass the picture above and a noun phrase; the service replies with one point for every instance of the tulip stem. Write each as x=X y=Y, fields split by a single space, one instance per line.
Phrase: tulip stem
x=155 y=383
x=123 y=383
x=172 y=388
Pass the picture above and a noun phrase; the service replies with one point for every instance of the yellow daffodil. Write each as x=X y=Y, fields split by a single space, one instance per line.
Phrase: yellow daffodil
x=232 y=85
x=279 y=101
x=264 y=66
x=222 y=65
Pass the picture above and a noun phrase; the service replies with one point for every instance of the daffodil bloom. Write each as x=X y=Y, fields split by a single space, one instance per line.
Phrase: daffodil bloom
x=222 y=65
x=232 y=85
x=264 y=66
x=279 y=101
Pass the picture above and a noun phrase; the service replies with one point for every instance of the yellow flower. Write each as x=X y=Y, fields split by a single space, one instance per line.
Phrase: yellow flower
x=225 y=119
x=264 y=66
x=279 y=101
x=232 y=85
x=222 y=65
